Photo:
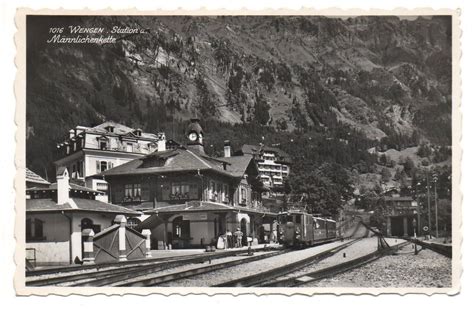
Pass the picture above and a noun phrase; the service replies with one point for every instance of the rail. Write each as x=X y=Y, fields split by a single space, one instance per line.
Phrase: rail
x=334 y=270
x=262 y=277
x=160 y=279
x=103 y=274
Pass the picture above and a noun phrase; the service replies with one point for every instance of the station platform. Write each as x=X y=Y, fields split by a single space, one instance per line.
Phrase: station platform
x=435 y=244
x=440 y=241
x=185 y=252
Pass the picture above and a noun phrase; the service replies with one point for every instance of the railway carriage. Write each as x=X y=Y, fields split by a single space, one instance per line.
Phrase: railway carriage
x=299 y=229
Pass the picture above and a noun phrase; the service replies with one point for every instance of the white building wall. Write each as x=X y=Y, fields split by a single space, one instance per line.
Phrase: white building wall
x=55 y=246
x=91 y=165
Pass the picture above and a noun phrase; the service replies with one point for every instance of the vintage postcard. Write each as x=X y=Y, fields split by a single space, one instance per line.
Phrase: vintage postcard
x=265 y=152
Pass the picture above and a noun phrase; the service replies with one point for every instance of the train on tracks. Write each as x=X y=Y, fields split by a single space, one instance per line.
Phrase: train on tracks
x=299 y=229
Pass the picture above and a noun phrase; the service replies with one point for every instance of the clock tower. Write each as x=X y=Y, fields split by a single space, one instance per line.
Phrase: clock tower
x=194 y=135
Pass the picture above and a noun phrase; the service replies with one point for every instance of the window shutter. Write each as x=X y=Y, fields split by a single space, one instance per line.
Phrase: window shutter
x=97 y=166
x=109 y=165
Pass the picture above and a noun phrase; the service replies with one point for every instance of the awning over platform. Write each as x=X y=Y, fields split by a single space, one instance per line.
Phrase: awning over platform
x=199 y=206
x=161 y=214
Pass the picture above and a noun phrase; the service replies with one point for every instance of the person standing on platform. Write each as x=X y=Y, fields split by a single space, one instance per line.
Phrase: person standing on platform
x=238 y=235
x=228 y=235
x=274 y=235
x=223 y=242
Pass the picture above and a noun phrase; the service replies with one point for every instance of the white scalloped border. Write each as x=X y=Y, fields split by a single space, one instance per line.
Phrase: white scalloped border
x=20 y=113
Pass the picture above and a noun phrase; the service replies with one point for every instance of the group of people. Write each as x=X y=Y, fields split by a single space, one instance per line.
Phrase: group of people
x=232 y=240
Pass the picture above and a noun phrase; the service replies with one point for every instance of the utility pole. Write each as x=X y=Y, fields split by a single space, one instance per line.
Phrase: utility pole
x=429 y=204
x=435 y=179
x=418 y=214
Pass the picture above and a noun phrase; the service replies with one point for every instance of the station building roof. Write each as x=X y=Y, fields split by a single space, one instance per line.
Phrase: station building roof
x=76 y=204
x=72 y=186
x=179 y=160
x=238 y=164
x=199 y=206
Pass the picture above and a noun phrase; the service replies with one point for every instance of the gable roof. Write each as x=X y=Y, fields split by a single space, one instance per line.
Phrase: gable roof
x=77 y=204
x=172 y=160
x=35 y=178
x=119 y=129
x=238 y=164
x=61 y=170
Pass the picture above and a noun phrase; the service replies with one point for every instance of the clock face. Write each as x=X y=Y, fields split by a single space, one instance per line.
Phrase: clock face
x=193 y=136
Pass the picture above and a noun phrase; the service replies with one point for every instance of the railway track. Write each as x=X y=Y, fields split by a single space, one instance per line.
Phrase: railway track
x=104 y=273
x=164 y=278
x=333 y=270
x=262 y=277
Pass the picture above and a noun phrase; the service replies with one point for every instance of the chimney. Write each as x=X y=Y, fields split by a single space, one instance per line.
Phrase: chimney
x=161 y=141
x=227 y=149
x=71 y=133
x=62 y=179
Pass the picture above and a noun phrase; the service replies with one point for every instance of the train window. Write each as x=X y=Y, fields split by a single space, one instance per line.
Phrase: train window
x=283 y=219
x=298 y=219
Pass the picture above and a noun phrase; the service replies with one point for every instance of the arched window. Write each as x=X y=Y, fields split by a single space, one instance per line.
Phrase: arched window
x=87 y=223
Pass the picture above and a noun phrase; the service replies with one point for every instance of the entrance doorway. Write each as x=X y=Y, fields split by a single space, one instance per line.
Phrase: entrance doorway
x=181 y=235
x=398 y=227
x=243 y=228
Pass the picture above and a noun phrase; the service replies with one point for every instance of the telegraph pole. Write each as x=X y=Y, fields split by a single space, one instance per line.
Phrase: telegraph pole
x=435 y=179
x=429 y=204
x=418 y=214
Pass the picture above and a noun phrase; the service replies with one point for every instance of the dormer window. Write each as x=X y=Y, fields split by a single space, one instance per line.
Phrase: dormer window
x=138 y=132
x=110 y=129
x=103 y=145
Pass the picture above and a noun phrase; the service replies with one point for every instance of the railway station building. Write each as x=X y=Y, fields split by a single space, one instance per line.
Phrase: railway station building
x=57 y=214
x=189 y=198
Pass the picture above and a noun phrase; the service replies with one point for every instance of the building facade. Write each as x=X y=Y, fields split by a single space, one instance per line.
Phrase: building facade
x=57 y=215
x=91 y=150
x=190 y=198
x=273 y=164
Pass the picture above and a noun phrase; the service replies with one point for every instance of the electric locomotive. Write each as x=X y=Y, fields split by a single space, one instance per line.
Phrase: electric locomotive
x=299 y=229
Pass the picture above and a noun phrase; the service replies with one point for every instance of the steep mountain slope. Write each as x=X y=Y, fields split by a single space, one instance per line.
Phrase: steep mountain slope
x=380 y=75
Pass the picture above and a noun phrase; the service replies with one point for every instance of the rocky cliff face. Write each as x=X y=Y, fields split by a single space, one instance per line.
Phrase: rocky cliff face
x=381 y=75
